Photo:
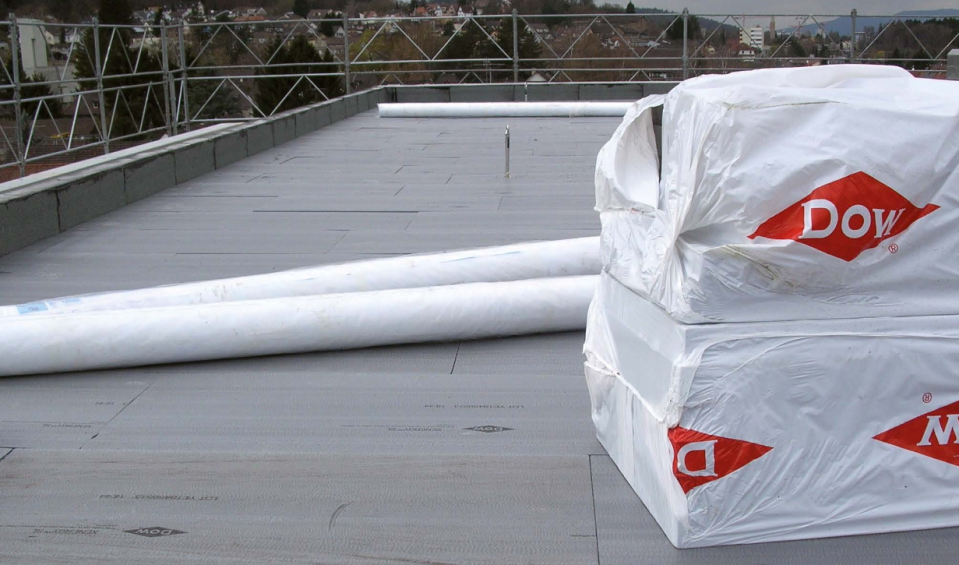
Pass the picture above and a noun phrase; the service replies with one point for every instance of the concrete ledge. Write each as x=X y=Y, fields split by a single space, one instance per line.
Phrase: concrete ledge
x=539 y=92
x=92 y=197
x=194 y=160
x=482 y=93
x=284 y=129
x=149 y=176
x=650 y=88
x=423 y=94
x=952 y=64
x=305 y=122
x=610 y=91
x=27 y=219
x=259 y=137
x=323 y=116
x=337 y=111
x=229 y=149
x=362 y=102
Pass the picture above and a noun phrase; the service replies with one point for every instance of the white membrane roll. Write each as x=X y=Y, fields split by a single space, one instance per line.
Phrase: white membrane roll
x=55 y=343
x=504 y=109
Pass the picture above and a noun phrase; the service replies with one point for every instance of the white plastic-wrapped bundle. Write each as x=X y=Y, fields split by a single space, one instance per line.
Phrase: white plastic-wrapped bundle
x=825 y=192
x=47 y=343
x=767 y=431
x=567 y=257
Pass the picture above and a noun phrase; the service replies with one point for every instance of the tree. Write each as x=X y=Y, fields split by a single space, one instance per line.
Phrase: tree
x=115 y=12
x=301 y=7
x=32 y=87
x=132 y=104
x=209 y=99
x=62 y=10
x=797 y=48
x=630 y=8
x=527 y=45
x=277 y=94
x=675 y=31
x=923 y=63
x=327 y=25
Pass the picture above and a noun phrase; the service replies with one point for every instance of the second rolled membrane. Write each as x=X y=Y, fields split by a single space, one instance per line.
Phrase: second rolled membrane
x=567 y=257
x=504 y=109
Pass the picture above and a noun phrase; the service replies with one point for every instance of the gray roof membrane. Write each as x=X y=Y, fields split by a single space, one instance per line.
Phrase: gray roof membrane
x=450 y=453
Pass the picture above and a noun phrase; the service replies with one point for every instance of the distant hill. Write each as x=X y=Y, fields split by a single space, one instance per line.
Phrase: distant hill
x=843 y=25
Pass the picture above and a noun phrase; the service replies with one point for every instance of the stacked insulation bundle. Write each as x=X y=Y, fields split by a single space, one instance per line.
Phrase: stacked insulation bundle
x=773 y=349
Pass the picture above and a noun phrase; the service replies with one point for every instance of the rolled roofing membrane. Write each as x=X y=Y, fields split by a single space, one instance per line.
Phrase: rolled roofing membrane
x=491 y=264
x=52 y=343
x=504 y=109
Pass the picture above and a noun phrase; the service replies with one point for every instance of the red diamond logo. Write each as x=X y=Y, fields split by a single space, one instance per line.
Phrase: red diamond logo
x=700 y=458
x=934 y=434
x=845 y=217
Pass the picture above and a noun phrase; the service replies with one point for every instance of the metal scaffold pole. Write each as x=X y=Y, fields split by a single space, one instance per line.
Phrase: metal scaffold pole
x=346 y=52
x=99 y=70
x=685 y=47
x=17 y=105
x=168 y=92
x=852 y=38
x=515 y=46
x=183 y=70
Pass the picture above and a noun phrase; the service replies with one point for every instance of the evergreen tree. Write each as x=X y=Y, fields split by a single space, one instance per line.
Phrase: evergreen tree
x=301 y=7
x=273 y=94
x=206 y=100
x=923 y=63
x=32 y=87
x=675 y=31
x=527 y=45
x=894 y=58
x=797 y=48
x=630 y=8
x=327 y=25
x=124 y=100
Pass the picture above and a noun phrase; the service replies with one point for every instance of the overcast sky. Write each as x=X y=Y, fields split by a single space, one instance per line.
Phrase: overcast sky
x=865 y=7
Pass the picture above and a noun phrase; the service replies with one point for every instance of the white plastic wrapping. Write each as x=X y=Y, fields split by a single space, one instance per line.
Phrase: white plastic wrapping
x=48 y=343
x=822 y=192
x=504 y=109
x=770 y=431
x=521 y=261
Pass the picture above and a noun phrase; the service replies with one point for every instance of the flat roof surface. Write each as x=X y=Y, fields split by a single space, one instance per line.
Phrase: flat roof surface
x=366 y=456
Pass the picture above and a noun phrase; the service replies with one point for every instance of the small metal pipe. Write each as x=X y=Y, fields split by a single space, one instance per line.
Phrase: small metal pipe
x=507 y=151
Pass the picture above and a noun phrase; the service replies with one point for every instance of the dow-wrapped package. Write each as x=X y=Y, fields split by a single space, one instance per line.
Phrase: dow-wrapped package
x=824 y=192
x=767 y=431
x=773 y=349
